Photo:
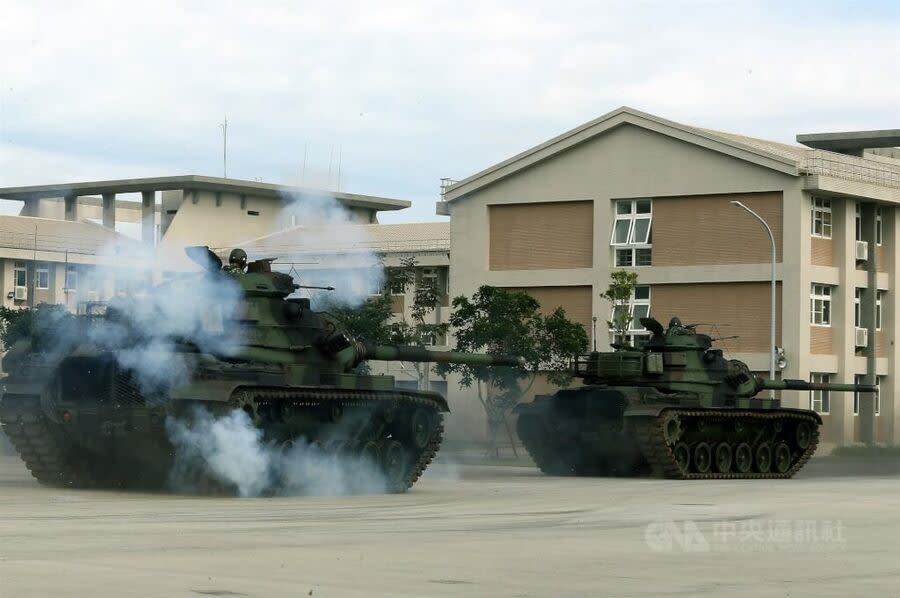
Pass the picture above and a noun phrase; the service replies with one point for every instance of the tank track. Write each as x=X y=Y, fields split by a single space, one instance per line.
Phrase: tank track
x=418 y=458
x=651 y=435
x=46 y=454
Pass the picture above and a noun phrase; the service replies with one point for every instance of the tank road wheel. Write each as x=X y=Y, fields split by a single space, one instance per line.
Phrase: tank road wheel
x=702 y=458
x=782 y=458
x=421 y=427
x=682 y=456
x=371 y=452
x=803 y=435
x=763 y=457
x=393 y=461
x=723 y=457
x=743 y=458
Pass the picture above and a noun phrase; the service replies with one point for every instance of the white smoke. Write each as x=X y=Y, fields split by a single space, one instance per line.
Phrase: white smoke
x=325 y=243
x=146 y=323
x=233 y=453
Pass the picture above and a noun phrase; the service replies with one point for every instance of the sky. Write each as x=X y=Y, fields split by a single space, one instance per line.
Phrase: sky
x=395 y=95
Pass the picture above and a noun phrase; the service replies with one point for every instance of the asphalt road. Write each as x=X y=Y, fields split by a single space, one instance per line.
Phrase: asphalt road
x=462 y=531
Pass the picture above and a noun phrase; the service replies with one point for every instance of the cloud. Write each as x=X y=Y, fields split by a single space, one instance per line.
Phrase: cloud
x=410 y=92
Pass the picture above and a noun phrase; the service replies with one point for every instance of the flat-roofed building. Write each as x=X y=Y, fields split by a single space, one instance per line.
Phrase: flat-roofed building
x=632 y=190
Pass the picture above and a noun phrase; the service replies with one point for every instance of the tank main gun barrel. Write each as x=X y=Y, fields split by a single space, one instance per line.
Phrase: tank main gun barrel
x=788 y=384
x=411 y=353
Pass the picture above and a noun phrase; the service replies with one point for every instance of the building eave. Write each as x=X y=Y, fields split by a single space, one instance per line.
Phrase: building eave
x=200 y=183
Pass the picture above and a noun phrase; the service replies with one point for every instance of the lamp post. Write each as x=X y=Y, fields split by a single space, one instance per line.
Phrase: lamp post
x=772 y=323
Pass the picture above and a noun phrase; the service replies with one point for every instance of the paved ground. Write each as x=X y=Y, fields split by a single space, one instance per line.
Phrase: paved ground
x=462 y=531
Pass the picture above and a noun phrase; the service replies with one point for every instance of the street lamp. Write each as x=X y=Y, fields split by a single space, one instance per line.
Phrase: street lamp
x=772 y=323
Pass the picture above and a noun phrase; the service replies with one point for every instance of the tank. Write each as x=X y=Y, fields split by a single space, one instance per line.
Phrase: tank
x=79 y=415
x=674 y=408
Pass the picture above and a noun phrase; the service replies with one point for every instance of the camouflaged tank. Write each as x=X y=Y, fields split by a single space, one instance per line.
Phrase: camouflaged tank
x=674 y=408
x=78 y=417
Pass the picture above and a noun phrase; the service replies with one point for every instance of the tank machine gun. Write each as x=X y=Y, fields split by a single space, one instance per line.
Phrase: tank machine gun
x=675 y=407
x=78 y=417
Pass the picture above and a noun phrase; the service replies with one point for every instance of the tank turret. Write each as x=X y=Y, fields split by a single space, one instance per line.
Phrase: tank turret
x=675 y=406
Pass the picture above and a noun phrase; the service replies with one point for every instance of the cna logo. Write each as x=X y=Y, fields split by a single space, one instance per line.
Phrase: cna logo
x=666 y=536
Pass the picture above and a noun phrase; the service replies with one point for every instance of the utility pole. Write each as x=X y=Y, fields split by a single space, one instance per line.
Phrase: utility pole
x=224 y=126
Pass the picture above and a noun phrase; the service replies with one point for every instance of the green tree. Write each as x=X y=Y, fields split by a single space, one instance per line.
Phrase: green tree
x=374 y=321
x=14 y=324
x=497 y=321
x=419 y=327
x=619 y=293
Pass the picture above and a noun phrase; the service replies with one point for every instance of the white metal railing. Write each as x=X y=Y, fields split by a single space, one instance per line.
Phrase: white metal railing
x=446 y=183
x=851 y=168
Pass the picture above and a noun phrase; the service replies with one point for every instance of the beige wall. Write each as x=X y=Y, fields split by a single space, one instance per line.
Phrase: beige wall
x=822 y=251
x=741 y=309
x=708 y=229
x=541 y=236
x=220 y=220
x=575 y=300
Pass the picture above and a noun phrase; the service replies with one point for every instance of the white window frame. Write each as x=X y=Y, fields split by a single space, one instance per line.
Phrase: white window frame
x=860 y=379
x=820 y=214
x=20 y=268
x=857 y=308
x=820 y=400
x=878 y=296
x=41 y=268
x=637 y=332
x=630 y=244
x=71 y=279
x=820 y=293
x=878 y=224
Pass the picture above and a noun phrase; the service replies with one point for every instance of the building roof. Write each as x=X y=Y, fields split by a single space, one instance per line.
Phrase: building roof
x=790 y=159
x=352 y=238
x=854 y=141
x=60 y=236
x=196 y=182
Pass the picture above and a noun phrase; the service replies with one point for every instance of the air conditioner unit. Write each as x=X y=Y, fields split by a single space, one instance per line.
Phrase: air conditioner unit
x=21 y=294
x=862 y=337
x=862 y=251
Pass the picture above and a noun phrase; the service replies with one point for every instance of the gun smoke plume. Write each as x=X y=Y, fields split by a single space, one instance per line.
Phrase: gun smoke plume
x=233 y=452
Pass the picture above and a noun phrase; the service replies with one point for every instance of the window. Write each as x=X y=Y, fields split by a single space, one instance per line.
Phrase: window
x=878 y=226
x=878 y=295
x=878 y=221
x=429 y=278
x=861 y=379
x=71 y=279
x=20 y=274
x=42 y=275
x=820 y=400
x=631 y=236
x=857 y=308
x=821 y=218
x=820 y=305
x=638 y=307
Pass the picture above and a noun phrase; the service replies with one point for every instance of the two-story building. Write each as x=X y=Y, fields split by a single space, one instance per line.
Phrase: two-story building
x=632 y=190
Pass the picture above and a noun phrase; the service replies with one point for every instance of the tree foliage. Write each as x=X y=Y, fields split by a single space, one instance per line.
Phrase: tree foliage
x=374 y=321
x=619 y=293
x=16 y=324
x=497 y=321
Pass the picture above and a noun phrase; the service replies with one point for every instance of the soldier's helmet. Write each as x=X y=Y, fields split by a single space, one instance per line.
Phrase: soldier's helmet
x=238 y=259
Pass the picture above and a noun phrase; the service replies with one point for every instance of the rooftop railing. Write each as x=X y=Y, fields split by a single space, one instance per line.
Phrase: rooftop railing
x=851 y=168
